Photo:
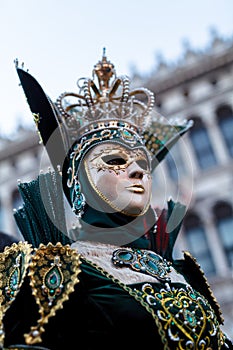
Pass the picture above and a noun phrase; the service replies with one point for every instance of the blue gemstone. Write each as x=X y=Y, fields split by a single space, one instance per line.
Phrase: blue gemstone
x=14 y=280
x=126 y=256
x=151 y=264
x=53 y=278
x=154 y=256
x=77 y=188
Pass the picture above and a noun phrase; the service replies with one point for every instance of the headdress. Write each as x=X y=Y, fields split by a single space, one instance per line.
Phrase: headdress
x=104 y=109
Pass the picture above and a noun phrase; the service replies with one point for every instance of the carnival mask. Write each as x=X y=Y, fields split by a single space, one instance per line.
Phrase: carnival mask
x=120 y=176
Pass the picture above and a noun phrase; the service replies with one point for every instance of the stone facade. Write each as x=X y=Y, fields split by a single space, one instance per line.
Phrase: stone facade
x=199 y=172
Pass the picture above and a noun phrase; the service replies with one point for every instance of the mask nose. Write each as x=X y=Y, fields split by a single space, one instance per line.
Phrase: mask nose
x=135 y=171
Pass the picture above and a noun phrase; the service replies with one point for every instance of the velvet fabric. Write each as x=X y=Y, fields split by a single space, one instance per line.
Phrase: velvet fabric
x=99 y=314
x=102 y=313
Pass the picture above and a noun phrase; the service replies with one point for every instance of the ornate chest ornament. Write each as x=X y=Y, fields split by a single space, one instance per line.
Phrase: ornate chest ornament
x=143 y=261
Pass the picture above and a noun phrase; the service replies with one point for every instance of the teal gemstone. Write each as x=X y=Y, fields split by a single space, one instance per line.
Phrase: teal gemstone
x=53 y=278
x=190 y=318
x=77 y=188
x=137 y=266
x=79 y=202
x=126 y=134
x=152 y=265
x=14 y=280
x=126 y=256
x=154 y=256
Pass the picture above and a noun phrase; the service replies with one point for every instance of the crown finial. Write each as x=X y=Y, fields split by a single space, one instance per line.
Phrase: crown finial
x=104 y=70
x=112 y=102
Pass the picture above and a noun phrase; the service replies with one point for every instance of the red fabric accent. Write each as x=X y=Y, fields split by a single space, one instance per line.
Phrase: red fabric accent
x=162 y=237
x=146 y=228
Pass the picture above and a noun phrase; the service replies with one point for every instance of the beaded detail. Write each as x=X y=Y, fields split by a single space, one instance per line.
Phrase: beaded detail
x=13 y=266
x=186 y=316
x=143 y=261
x=53 y=273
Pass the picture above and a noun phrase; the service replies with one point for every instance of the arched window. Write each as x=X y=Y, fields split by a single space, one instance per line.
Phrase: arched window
x=175 y=165
x=225 y=122
x=201 y=144
x=1 y=217
x=223 y=214
x=197 y=243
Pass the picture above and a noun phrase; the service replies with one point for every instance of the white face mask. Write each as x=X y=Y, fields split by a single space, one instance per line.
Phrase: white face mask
x=121 y=177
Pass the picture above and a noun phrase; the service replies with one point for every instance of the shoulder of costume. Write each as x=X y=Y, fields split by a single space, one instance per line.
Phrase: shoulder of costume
x=53 y=272
x=41 y=218
x=14 y=262
x=196 y=277
x=168 y=227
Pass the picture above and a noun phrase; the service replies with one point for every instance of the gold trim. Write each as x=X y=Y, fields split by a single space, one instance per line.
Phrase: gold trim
x=187 y=254
x=14 y=262
x=36 y=118
x=53 y=273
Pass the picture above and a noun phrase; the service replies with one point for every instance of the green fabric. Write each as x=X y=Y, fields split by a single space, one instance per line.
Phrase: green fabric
x=42 y=217
x=102 y=313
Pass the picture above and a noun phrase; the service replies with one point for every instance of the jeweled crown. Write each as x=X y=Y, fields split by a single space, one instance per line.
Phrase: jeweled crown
x=104 y=109
x=105 y=101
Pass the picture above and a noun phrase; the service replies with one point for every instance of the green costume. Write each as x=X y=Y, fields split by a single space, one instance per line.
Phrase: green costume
x=113 y=283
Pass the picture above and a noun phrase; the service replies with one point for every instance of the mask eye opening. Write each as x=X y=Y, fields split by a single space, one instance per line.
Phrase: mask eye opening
x=113 y=160
x=143 y=163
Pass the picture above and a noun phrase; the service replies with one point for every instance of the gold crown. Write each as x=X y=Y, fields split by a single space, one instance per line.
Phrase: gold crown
x=104 y=109
x=105 y=103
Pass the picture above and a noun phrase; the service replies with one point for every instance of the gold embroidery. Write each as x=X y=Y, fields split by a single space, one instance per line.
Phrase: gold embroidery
x=53 y=274
x=104 y=159
x=13 y=266
x=185 y=314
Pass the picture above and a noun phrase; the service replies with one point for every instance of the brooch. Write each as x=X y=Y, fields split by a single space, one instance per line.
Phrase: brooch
x=143 y=261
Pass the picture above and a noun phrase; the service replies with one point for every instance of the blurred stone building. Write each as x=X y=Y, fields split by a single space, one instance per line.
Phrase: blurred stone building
x=198 y=171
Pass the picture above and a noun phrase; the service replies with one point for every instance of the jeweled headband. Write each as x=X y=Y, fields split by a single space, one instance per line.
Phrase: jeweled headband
x=103 y=110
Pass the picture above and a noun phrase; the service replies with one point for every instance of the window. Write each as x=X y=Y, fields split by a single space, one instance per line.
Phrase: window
x=201 y=144
x=197 y=243
x=1 y=217
x=223 y=214
x=225 y=122
x=175 y=163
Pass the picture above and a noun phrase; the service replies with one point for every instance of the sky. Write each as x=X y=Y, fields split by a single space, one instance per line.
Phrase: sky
x=59 y=41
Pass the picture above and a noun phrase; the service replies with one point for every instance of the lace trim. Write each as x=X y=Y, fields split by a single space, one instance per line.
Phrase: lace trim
x=101 y=254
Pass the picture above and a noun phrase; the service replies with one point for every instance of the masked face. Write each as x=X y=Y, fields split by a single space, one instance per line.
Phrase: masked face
x=121 y=177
